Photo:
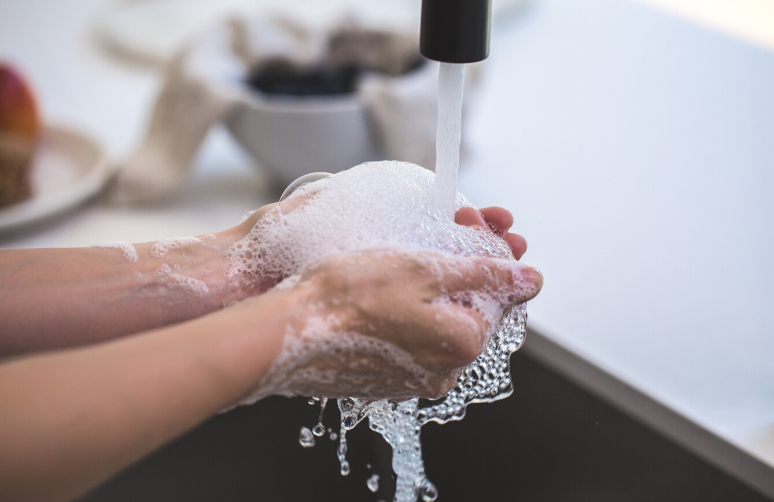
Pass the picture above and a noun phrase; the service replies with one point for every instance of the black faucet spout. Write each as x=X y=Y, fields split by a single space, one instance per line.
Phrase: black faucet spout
x=455 y=31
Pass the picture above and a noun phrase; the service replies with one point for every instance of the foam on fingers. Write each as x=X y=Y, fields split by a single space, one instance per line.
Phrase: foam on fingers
x=388 y=208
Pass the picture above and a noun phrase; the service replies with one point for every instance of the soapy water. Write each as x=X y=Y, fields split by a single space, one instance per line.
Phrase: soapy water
x=388 y=206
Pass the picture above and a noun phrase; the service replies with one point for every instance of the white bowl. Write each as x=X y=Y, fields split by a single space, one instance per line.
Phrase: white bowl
x=296 y=135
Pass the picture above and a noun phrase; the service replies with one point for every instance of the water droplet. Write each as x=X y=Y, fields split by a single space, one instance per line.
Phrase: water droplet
x=319 y=429
x=341 y=452
x=427 y=491
x=305 y=438
x=333 y=436
x=373 y=483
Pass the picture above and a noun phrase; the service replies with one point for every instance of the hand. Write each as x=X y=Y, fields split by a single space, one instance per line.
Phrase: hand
x=499 y=220
x=384 y=306
x=378 y=323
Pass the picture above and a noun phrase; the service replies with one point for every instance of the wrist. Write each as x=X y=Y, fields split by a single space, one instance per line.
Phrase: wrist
x=247 y=338
x=189 y=273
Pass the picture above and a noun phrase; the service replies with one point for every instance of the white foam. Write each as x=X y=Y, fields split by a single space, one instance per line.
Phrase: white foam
x=127 y=249
x=161 y=247
x=375 y=205
x=388 y=206
x=164 y=269
x=190 y=285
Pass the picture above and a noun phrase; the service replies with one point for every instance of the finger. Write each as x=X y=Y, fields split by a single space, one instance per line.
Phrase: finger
x=517 y=243
x=509 y=280
x=499 y=217
x=469 y=217
x=462 y=335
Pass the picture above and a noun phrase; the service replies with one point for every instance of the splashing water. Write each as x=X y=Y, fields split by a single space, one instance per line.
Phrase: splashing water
x=373 y=483
x=341 y=452
x=305 y=438
x=319 y=429
x=488 y=379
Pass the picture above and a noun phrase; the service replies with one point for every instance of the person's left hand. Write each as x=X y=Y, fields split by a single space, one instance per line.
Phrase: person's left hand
x=499 y=220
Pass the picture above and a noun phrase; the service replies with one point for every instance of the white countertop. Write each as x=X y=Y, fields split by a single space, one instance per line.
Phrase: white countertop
x=636 y=151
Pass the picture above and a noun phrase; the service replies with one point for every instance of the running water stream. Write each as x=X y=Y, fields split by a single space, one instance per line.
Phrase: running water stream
x=451 y=81
x=487 y=379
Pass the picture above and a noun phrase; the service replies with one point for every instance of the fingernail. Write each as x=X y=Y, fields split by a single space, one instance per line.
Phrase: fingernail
x=533 y=275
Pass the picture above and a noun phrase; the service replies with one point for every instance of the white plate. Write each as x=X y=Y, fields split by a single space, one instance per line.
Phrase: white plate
x=68 y=168
x=153 y=30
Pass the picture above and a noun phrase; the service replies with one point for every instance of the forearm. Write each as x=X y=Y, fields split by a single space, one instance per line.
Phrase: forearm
x=55 y=298
x=76 y=417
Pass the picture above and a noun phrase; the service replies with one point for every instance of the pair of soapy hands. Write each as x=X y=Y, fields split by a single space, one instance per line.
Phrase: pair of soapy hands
x=189 y=357
x=393 y=297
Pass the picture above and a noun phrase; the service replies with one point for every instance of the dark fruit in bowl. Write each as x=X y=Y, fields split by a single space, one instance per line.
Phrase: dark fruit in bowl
x=19 y=129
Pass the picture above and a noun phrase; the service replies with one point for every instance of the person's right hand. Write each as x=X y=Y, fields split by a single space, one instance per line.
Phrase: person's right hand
x=385 y=323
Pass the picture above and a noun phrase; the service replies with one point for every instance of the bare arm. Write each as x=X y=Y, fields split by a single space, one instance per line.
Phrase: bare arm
x=57 y=298
x=72 y=418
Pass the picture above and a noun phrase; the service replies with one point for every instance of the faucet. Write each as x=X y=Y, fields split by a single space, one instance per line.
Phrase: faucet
x=455 y=31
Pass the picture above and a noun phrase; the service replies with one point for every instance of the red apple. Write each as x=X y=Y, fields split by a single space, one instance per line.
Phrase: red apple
x=18 y=111
x=19 y=127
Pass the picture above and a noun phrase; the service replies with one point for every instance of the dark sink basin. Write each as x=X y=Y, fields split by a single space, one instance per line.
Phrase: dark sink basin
x=550 y=441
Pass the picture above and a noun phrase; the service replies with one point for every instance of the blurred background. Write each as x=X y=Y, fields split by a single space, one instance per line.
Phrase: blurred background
x=633 y=140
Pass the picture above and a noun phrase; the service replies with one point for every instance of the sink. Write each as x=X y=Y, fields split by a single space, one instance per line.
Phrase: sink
x=552 y=440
